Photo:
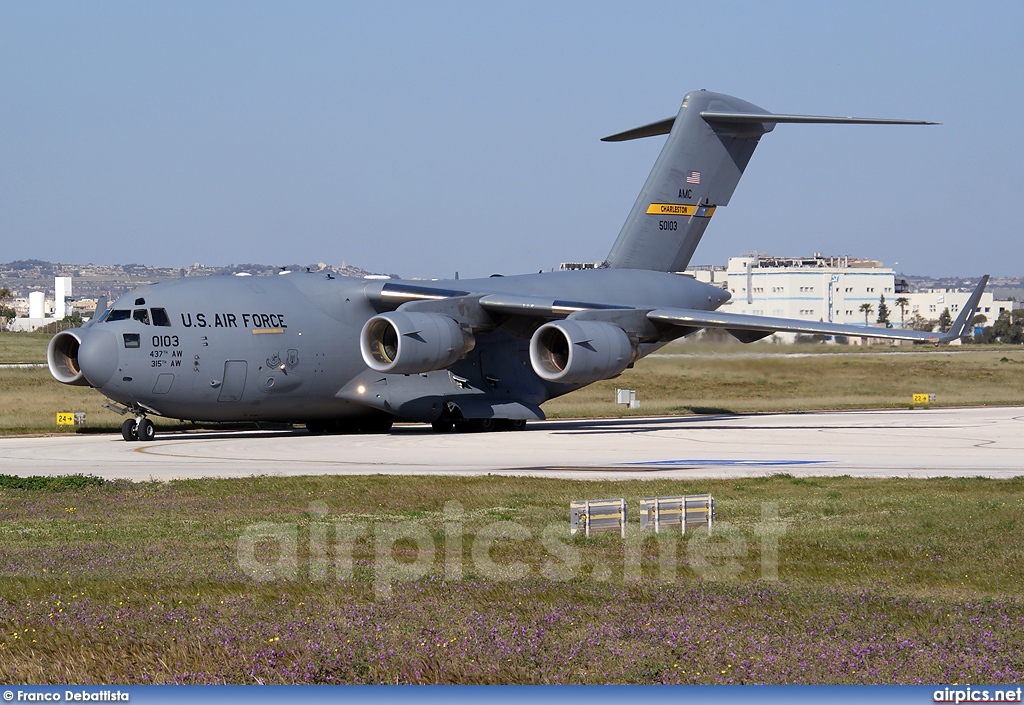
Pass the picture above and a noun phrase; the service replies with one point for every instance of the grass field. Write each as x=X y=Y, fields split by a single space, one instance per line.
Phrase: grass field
x=689 y=378
x=23 y=347
x=444 y=580
x=892 y=581
x=797 y=378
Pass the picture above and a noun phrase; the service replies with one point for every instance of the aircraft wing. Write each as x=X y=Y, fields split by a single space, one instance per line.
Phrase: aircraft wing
x=411 y=297
x=473 y=309
x=748 y=328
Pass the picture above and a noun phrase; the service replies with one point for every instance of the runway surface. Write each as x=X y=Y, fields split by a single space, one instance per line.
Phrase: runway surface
x=919 y=443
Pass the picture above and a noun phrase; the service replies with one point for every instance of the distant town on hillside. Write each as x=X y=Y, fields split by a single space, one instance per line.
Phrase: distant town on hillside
x=93 y=280
x=60 y=289
x=111 y=280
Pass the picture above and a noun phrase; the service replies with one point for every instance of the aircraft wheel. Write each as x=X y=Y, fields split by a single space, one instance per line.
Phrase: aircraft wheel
x=146 y=430
x=511 y=424
x=443 y=425
x=317 y=428
x=377 y=426
x=128 y=431
x=477 y=425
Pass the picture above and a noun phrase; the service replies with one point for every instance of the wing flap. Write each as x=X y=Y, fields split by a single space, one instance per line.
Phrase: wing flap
x=539 y=306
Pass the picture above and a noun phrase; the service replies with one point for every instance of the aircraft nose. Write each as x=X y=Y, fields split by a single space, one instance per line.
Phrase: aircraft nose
x=98 y=357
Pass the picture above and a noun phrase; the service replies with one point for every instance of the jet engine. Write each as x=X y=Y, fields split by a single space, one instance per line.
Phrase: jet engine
x=409 y=343
x=62 y=358
x=579 y=352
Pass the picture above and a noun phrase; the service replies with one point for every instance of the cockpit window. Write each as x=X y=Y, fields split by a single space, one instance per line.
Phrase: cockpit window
x=141 y=315
x=118 y=314
x=131 y=340
x=160 y=317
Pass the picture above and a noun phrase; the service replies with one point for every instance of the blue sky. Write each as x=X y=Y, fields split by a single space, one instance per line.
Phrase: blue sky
x=422 y=138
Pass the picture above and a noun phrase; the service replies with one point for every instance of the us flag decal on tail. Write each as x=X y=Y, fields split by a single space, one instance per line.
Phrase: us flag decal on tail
x=693 y=178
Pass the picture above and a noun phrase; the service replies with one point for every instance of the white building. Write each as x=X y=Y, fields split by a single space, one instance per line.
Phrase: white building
x=42 y=312
x=37 y=304
x=930 y=305
x=810 y=288
x=831 y=289
x=61 y=292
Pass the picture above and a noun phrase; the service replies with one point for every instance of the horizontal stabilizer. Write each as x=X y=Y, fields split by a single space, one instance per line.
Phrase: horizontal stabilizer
x=711 y=116
x=662 y=127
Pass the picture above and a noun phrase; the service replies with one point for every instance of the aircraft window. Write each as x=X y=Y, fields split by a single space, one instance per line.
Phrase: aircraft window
x=131 y=340
x=118 y=314
x=141 y=315
x=160 y=317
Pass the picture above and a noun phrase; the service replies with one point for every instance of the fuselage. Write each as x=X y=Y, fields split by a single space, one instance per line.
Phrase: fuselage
x=286 y=348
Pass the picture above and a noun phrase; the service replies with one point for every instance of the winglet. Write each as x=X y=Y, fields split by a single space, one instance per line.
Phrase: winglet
x=960 y=325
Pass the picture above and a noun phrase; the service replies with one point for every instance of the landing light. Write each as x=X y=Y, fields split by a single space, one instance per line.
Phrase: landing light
x=361 y=389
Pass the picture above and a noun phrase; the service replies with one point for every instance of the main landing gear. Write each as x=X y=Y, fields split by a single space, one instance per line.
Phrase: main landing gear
x=345 y=426
x=138 y=429
x=446 y=425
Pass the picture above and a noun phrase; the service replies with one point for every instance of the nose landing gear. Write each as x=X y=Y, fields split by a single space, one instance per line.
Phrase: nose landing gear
x=138 y=429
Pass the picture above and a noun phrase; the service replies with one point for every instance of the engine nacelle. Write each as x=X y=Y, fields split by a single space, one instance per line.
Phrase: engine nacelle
x=402 y=342
x=580 y=352
x=62 y=358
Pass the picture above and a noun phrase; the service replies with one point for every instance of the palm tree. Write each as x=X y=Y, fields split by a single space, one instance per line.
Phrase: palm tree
x=902 y=302
x=867 y=309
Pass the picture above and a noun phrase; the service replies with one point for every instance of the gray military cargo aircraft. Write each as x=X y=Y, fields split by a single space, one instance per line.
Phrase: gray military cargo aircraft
x=354 y=355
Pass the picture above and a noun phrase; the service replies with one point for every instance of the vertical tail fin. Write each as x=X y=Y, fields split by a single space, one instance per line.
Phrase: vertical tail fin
x=697 y=170
x=709 y=145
